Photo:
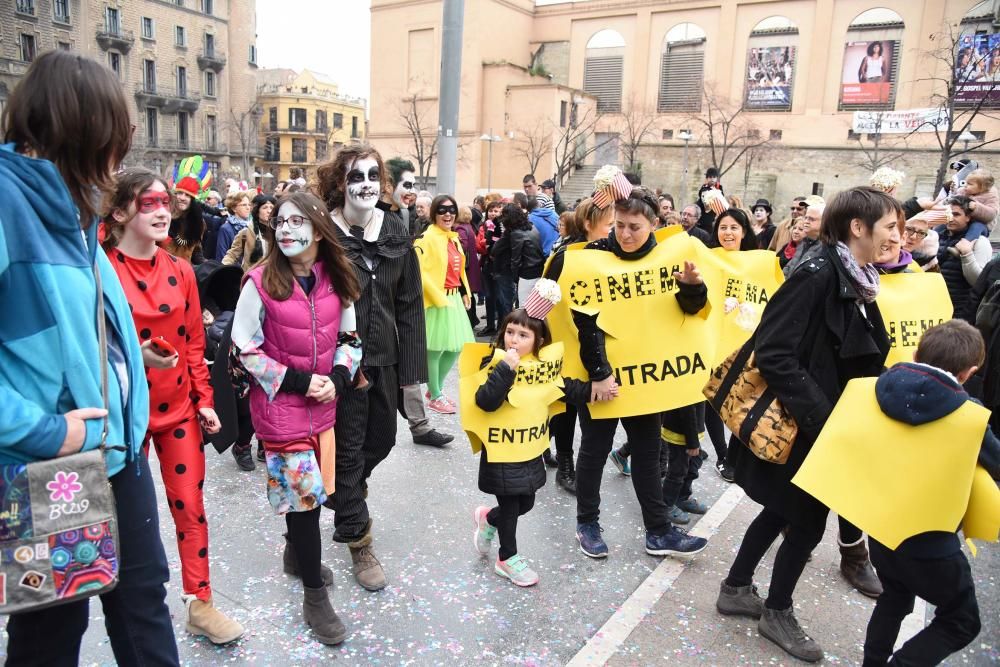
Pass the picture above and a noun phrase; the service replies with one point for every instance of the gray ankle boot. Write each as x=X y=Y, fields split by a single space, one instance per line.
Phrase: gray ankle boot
x=782 y=628
x=291 y=564
x=739 y=601
x=320 y=616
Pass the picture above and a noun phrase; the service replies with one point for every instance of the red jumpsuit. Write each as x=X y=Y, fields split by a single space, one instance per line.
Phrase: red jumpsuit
x=163 y=295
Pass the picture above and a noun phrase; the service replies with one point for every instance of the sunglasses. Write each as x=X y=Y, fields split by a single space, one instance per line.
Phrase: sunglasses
x=294 y=222
x=445 y=210
x=148 y=203
x=803 y=207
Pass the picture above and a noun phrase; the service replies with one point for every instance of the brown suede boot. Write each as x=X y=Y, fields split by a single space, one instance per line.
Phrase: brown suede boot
x=367 y=569
x=857 y=569
x=291 y=564
x=205 y=620
x=320 y=616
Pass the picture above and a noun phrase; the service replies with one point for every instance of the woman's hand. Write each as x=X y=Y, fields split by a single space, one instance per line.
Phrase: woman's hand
x=964 y=247
x=690 y=276
x=512 y=359
x=76 y=429
x=209 y=420
x=466 y=301
x=317 y=385
x=605 y=390
x=152 y=359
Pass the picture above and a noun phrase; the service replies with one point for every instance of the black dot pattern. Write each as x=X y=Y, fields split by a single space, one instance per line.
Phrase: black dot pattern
x=172 y=281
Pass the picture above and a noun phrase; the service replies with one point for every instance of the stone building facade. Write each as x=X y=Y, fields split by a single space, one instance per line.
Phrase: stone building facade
x=304 y=120
x=791 y=66
x=187 y=66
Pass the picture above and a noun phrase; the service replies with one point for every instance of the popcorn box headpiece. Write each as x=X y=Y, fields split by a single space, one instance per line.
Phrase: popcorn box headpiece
x=543 y=298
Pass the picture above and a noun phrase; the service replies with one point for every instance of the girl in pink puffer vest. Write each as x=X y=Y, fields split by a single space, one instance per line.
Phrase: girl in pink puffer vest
x=294 y=329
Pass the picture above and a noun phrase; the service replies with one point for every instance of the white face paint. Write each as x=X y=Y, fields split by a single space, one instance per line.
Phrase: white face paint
x=364 y=186
x=406 y=190
x=293 y=242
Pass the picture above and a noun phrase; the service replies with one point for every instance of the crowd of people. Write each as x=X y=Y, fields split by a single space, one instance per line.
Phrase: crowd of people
x=307 y=318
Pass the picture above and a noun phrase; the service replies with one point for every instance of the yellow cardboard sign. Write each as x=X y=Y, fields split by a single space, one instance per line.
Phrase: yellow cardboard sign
x=519 y=430
x=661 y=356
x=893 y=480
x=982 y=520
x=740 y=284
x=911 y=303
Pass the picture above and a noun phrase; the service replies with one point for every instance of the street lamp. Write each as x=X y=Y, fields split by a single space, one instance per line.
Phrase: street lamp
x=686 y=137
x=966 y=137
x=491 y=138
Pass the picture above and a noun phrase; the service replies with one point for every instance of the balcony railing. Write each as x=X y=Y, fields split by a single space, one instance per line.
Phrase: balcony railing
x=13 y=66
x=178 y=145
x=212 y=60
x=282 y=89
x=171 y=101
x=113 y=37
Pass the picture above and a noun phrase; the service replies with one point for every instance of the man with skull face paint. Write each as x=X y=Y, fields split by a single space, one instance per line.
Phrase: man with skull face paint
x=404 y=199
x=390 y=322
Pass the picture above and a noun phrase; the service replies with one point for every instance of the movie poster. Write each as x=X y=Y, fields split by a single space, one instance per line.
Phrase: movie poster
x=867 y=74
x=769 y=78
x=977 y=70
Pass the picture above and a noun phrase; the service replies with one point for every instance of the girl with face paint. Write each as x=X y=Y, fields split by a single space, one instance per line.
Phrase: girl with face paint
x=295 y=332
x=163 y=296
x=446 y=298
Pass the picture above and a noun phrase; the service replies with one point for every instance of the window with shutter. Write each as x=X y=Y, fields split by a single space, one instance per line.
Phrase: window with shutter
x=602 y=78
x=682 y=73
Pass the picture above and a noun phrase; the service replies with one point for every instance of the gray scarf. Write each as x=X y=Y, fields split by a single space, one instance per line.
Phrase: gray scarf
x=864 y=279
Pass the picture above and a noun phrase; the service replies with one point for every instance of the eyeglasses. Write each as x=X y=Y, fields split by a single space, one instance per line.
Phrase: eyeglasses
x=913 y=231
x=153 y=201
x=294 y=222
x=245 y=203
x=446 y=210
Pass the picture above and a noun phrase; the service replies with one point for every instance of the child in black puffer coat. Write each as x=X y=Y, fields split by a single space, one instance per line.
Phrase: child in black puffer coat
x=513 y=483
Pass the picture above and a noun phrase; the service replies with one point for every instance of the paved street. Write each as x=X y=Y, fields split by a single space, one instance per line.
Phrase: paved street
x=444 y=605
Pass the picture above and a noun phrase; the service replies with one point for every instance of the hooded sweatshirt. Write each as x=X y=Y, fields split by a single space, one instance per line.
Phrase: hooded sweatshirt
x=49 y=356
x=917 y=394
x=546 y=222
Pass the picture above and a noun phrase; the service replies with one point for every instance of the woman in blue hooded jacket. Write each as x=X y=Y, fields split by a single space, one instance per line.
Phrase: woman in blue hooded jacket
x=67 y=128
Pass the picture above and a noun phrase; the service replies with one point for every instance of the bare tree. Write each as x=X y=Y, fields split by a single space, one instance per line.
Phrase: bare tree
x=727 y=130
x=244 y=125
x=572 y=143
x=876 y=154
x=952 y=68
x=752 y=157
x=637 y=124
x=533 y=145
x=423 y=134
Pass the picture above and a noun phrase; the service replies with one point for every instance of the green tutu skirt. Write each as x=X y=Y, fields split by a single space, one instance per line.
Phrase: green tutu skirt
x=448 y=328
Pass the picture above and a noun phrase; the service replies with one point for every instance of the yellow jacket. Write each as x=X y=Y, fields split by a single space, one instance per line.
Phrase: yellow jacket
x=432 y=252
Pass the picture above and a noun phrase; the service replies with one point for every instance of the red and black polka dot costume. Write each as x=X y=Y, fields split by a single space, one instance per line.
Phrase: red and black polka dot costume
x=163 y=295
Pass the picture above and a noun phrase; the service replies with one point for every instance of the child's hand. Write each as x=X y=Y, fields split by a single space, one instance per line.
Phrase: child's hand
x=964 y=247
x=512 y=359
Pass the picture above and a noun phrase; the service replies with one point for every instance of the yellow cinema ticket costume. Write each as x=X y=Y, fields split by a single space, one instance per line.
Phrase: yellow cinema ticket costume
x=911 y=303
x=893 y=480
x=740 y=284
x=519 y=430
x=661 y=356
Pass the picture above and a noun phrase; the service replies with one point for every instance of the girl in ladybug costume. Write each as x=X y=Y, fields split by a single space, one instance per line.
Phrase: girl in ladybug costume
x=163 y=295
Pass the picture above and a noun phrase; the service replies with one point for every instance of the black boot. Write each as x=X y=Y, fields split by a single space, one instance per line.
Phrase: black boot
x=566 y=475
x=550 y=460
x=244 y=459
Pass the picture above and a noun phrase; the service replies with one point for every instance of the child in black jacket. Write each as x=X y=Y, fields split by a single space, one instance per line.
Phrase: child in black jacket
x=931 y=564
x=514 y=484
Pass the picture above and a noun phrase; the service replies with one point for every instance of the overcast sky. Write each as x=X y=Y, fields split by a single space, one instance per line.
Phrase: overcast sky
x=332 y=37
x=322 y=35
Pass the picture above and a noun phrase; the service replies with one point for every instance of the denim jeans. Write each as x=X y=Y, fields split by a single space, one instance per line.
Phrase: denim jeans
x=506 y=293
x=135 y=612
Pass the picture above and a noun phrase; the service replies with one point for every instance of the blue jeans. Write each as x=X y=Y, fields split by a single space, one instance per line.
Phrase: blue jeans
x=506 y=293
x=135 y=612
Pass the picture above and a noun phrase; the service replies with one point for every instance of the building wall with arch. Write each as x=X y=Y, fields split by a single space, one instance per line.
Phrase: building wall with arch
x=547 y=48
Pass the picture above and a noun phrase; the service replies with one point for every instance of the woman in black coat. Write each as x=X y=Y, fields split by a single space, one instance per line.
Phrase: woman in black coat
x=820 y=330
